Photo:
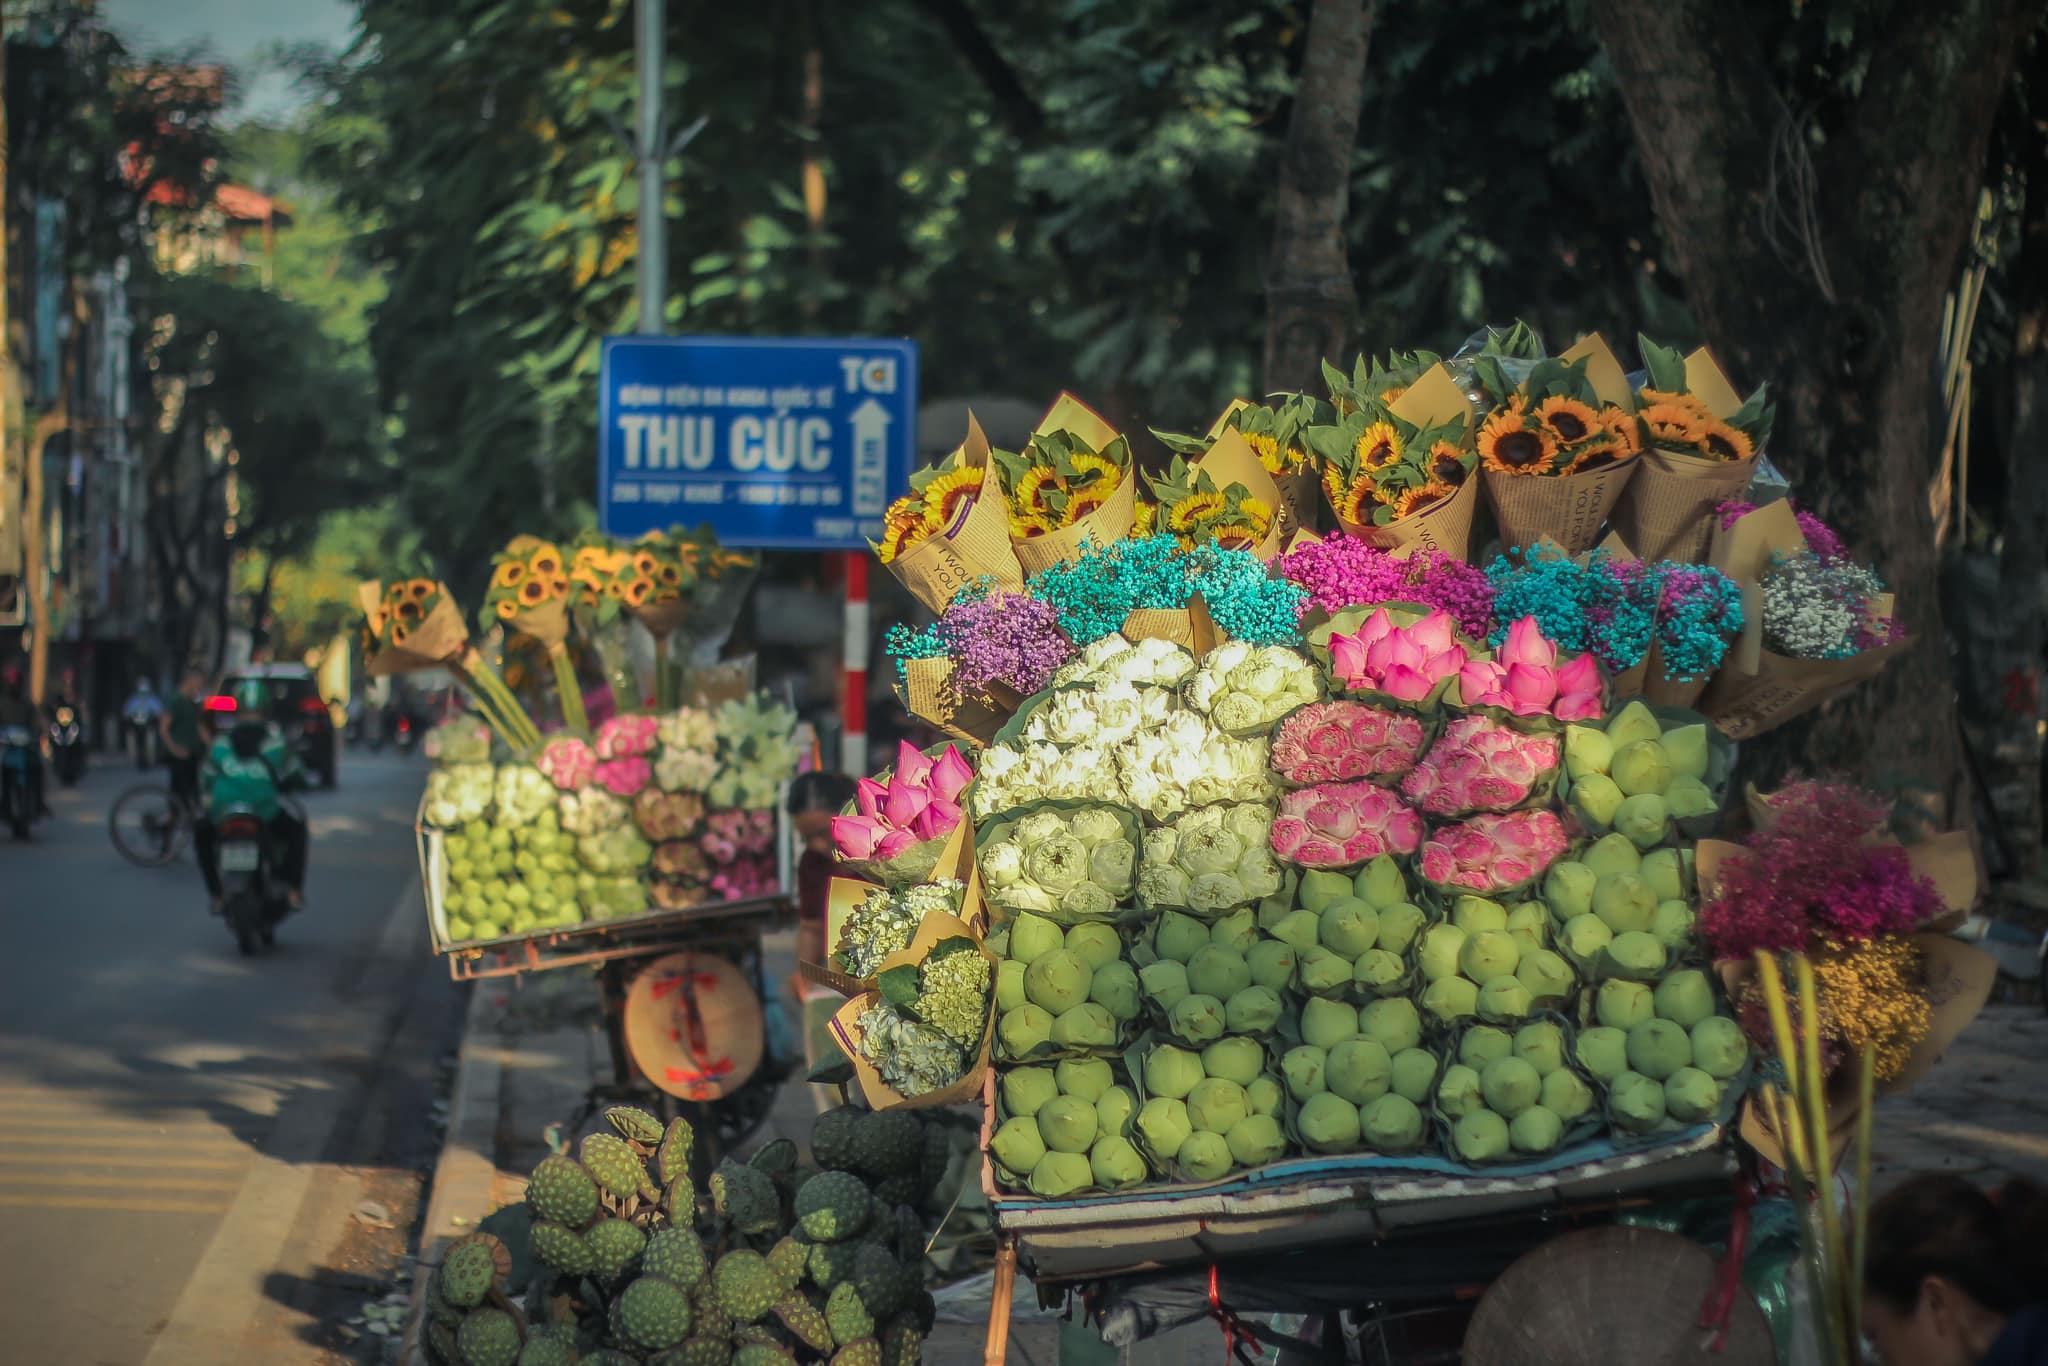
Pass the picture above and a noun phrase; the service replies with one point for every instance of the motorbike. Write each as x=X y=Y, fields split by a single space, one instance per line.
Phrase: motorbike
x=252 y=902
x=21 y=779
x=404 y=736
x=67 y=744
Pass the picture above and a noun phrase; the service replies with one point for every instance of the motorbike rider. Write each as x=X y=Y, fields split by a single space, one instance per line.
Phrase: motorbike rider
x=179 y=729
x=141 y=713
x=248 y=768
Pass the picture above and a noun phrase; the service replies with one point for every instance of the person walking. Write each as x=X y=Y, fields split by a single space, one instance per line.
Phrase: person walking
x=182 y=738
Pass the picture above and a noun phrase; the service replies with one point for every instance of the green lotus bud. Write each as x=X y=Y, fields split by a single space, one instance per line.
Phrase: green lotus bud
x=1641 y=767
x=1025 y=1090
x=1646 y=820
x=1546 y=974
x=1165 y=982
x=1322 y=972
x=1016 y=1146
x=1009 y=984
x=1327 y=1023
x=1637 y=1102
x=1348 y=927
x=1204 y=1157
x=1480 y=1136
x=1568 y=887
x=1658 y=1048
x=1457 y=1094
x=1686 y=747
x=1510 y=1086
x=1478 y=915
x=1023 y=1029
x=1393 y=1024
x=1685 y=998
x=1178 y=936
x=1482 y=1044
x=1688 y=798
x=1391 y=1124
x=1529 y=923
x=1587 y=751
x=1215 y=1104
x=1504 y=998
x=1067 y=1124
x=1623 y=1005
x=1058 y=980
x=1596 y=798
x=1635 y=955
x=1256 y=1140
x=1255 y=1010
x=1718 y=1047
x=1690 y=1095
x=1328 y=1123
x=1672 y=924
x=1115 y=1163
x=1115 y=988
x=1438 y=954
x=1096 y=943
x=1237 y=1060
x=1197 y=1019
x=1171 y=1071
x=1624 y=902
x=1632 y=723
x=1304 y=1066
x=1359 y=1070
x=1237 y=931
x=1664 y=870
x=1034 y=936
x=1540 y=1043
x=1271 y=963
x=1060 y=1173
x=1114 y=1109
x=1413 y=1074
x=1399 y=924
x=1612 y=854
x=1217 y=971
x=1451 y=998
x=1585 y=939
x=1087 y=1025
x=1603 y=1051
x=1378 y=971
x=1490 y=954
x=1380 y=883
x=1535 y=1130
x=1566 y=1095
x=1163 y=1125
x=1320 y=890
x=1086 y=1078
x=1273 y=909
x=1299 y=930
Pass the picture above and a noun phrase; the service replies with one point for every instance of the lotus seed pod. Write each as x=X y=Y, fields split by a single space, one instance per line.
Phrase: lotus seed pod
x=1623 y=1005
x=1685 y=998
x=1115 y=1163
x=1304 y=1067
x=1540 y=1043
x=1009 y=984
x=1672 y=925
x=1086 y=1078
x=1457 y=1093
x=1163 y=1125
x=1413 y=1075
x=1164 y=981
x=1196 y=1019
x=1178 y=936
x=1017 y=1146
x=1690 y=1095
x=1658 y=1048
x=1271 y=963
x=1217 y=971
x=1632 y=723
x=1603 y=1051
x=1265 y=1094
x=1380 y=883
x=1504 y=999
x=1482 y=1044
x=1237 y=931
x=1546 y=974
x=1326 y=1023
x=1026 y=1090
x=1637 y=1102
x=1438 y=953
x=1255 y=1010
x=1510 y=1086
x=1023 y=1029
x=1529 y=923
x=1391 y=1124
x=1596 y=798
x=1349 y=927
x=1634 y=955
x=1399 y=924
x=1096 y=942
x=1490 y=954
x=1067 y=1124
x=1612 y=854
x=1033 y=936
x=1566 y=1095
x=1480 y=1136
x=1664 y=870
x=1171 y=1071
x=1641 y=767
x=1256 y=1140
x=1114 y=1109
x=1478 y=915
x=1322 y=972
x=1359 y=1070
x=1587 y=751
x=1328 y=1123
x=1059 y=1173
x=1378 y=971
x=1535 y=1130
x=1584 y=939
x=1237 y=1060
x=1205 y=1156
x=1321 y=889
x=1087 y=1025
x=1646 y=820
x=1058 y=981
x=1568 y=887
x=1114 y=987
x=1452 y=998
x=1718 y=1047
x=1624 y=902
x=1689 y=798
x=1299 y=930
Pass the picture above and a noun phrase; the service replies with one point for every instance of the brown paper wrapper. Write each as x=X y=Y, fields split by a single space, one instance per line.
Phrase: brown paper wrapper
x=1233 y=461
x=440 y=638
x=1191 y=627
x=1782 y=689
x=1663 y=690
x=662 y=619
x=1667 y=511
x=1603 y=371
x=939 y=566
x=547 y=623
x=1302 y=536
x=846 y=1032
x=1570 y=509
x=1105 y=526
x=1300 y=497
x=1744 y=552
x=928 y=696
x=1445 y=525
x=1629 y=682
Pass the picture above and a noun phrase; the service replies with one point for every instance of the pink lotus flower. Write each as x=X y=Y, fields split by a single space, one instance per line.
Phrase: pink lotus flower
x=1524 y=678
x=624 y=777
x=1335 y=825
x=919 y=802
x=1338 y=741
x=1492 y=852
x=1479 y=765
x=1404 y=662
x=623 y=737
x=568 y=763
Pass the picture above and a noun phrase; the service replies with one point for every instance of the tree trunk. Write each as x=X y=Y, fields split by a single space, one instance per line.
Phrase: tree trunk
x=1311 y=304
x=1821 y=268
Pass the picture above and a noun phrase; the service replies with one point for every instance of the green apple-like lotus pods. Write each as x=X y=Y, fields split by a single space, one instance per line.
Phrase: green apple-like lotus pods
x=1457 y=1094
x=1603 y=1051
x=1237 y=1060
x=1237 y=931
x=1023 y=1029
x=1115 y=1163
x=1380 y=883
x=1632 y=723
x=1255 y=1010
x=1179 y=936
x=1087 y=1078
x=1685 y=998
x=1349 y=927
x=1718 y=1047
x=1482 y=1044
x=1256 y=1140
x=1587 y=751
x=1114 y=1109
x=1009 y=984
x=1215 y=1104
x=1115 y=988
x=1165 y=981
x=1540 y=1044
x=1645 y=819
x=1359 y=1070
x=1664 y=870
x=1304 y=1066
x=1637 y=1102
x=1510 y=1086
x=1266 y=1094
x=1490 y=954
x=1535 y=1130
x=1321 y=971
x=1596 y=797
x=1612 y=854
x=1299 y=930
x=1399 y=924
x=1218 y=971
x=1026 y=1090
x=1172 y=1072
x=1391 y=1124
x=1196 y=1019
x=1642 y=766
x=1480 y=1136
x=1568 y=887
x=1545 y=974
x=1584 y=938
x=1623 y=1005
x=1087 y=1025
x=1529 y=923
x=1163 y=1125
x=1321 y=890
x=1451 y=998
x=1506 y=999
x=1326 y=1023
x=1686 y=747
x=1393 y=1024
x=1058 y=981
x=1687 y=798
x=1016 y=1145
x=1437 y=955
x=1658 y=1048
x=1413 y=1074
x=1378 y=971
x=1478 y=914
x=1690 y=1095
x=1204 y=1157
x=1096 y=942
x=1271 y=963
x=1034 y=936
x=1566 y=1095
x=1636 y=955
x=1060 y=1173
x=1672 y=924
x=1067 y=1124
x=1328 y=1123
x=1624 y=902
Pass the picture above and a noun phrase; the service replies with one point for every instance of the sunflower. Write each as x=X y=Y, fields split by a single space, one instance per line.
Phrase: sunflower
x=667 y=595
x=1507 y=445
x=615 y=589
x=948 y=495
x=507 y=609
x=1026 y=525
x=1357 y=505
x=1572 y=420
x=1417 y=499
x=637 y=591
x=1146 y=517
x=1267 y=449
x=1624 y=427
x=409 y=611
x=1192 y=510
x=670 y=575
x=1032 y=488
x=1255 y=511
x=1099 y=465
x=1334 y=485
x=1393 y=395
x=533 y=592
x=558 y=585
x=1446 y=464
x=1672 y=424
x=1380 y=447
x=643 y=563
x=1651 y=398
x=398 y=634
x=546 y=559
x=895 y=541
x=420 y=589
x=1597 y=454
x=1724 y=442
x=1081 y=502
x=508 y=574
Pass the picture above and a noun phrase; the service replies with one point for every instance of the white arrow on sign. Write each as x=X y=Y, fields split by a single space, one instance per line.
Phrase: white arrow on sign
x=870 y=458
x=871 y=422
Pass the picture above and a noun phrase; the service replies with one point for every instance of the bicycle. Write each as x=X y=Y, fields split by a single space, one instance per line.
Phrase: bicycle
x=150 y=825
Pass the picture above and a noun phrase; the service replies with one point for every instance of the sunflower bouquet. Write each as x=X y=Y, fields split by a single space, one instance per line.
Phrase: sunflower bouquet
x=1072 y=484
x=1374 y=381
x=1196 y=511
x=414 y=624
x=1559 y=446
x=1276 y=436
x=1702 y=441
x=665 y=579
x=943 y=535
x=1379 y=468
x=530 y=592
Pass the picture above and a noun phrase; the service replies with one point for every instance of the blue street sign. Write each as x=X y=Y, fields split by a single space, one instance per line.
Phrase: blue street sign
x=785 y=443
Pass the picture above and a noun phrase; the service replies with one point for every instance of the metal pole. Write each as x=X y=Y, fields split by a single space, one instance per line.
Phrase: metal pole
x=853 y=703
x=653 y=150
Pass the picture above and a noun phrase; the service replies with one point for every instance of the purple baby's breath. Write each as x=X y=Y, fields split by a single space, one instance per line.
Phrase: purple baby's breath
x=1004 y=638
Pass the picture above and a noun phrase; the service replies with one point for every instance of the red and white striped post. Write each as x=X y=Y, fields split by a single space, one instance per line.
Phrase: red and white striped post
x=853 y=735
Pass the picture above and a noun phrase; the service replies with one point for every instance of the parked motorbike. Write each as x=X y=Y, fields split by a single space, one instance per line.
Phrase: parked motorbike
x=404 y=735
x=252 y=901
x=67 y=744
x=21 y=779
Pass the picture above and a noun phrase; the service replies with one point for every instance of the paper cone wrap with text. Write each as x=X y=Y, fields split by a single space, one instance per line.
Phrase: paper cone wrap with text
x=1106 y=524
x=927 y=693
x=1446 y=524
x=978 y=544
x=1667 y=512
x=1570 y=509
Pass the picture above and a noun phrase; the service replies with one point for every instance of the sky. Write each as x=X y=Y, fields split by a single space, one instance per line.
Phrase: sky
x=235 y=31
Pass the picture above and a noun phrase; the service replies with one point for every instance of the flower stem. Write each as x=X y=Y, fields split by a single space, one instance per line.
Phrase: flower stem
x=573 y=715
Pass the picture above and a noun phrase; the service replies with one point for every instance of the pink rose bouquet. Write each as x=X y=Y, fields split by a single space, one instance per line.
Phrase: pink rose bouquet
x=1478 y=764
x=1339 y=741
x=1525 y=678
x=568 y=762
x=1338 y=825
x=624 y=777
x=1494 y=853
x=625 y=737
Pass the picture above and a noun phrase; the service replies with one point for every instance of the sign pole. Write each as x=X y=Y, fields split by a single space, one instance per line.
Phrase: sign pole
x=853 y=738
x=651 y=260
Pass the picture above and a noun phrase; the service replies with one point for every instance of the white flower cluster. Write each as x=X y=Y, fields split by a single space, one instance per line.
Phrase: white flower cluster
x=593 y=811
x=1155 y=663
x=911 y=1056
x=1213 y=859
x=459 y=793
x=756 y=753
x=1246 y=688
x=1066 y=864
x=523 y=793
x=688 y=756
x=886 y=921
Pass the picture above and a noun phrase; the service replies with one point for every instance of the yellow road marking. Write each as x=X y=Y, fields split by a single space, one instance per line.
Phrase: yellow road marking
x=114 y=1203
x=69 y=1161
x=157 y=1183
